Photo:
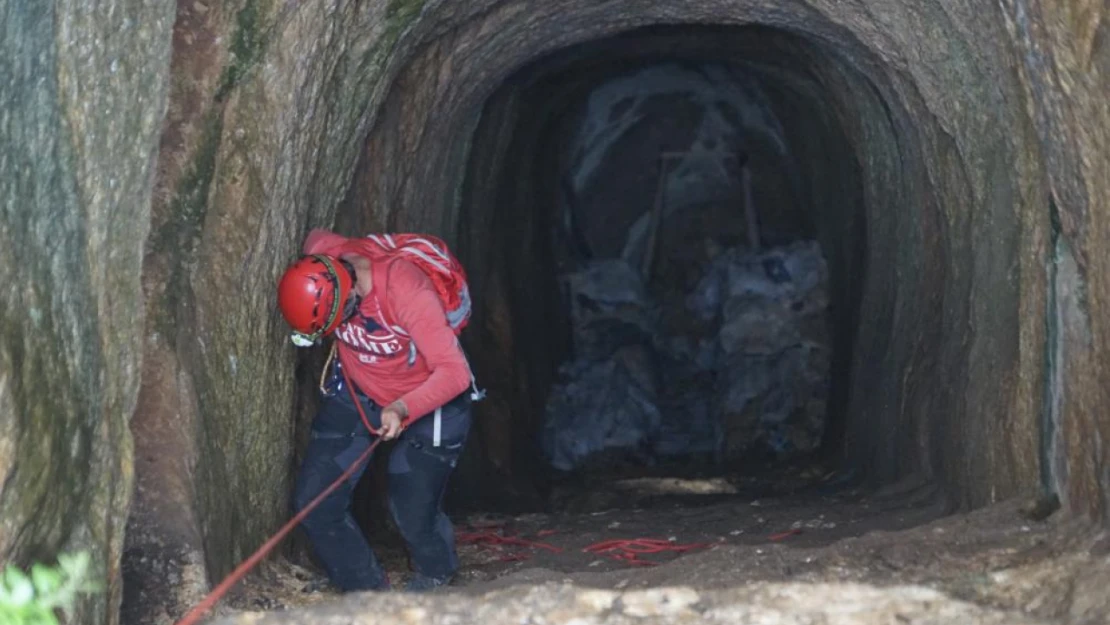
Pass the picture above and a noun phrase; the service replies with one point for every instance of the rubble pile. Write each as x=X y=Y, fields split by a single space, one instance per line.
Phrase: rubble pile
x=753 y=379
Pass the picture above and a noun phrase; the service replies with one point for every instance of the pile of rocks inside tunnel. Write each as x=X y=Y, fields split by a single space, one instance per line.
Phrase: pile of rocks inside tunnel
x=735 y=156
x=688 y=337
x=742 y=375
x=162 y=161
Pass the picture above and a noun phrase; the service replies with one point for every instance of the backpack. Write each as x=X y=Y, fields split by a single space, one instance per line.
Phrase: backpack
x=431 y=256
x=446 y=273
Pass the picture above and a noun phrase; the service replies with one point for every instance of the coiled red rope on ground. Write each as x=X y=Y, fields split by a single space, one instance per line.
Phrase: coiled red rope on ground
x=630 y=550
x=488 y=537
x=241 y=571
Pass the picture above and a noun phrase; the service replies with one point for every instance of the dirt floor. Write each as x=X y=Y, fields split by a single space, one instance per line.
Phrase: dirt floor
x=718 y=534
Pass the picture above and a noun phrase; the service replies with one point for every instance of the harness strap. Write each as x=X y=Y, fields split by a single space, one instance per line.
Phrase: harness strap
x=379 y=269
x=476 y=394
x=327 y=364
x=380 y=289
x=437 y=427
x=358 y=404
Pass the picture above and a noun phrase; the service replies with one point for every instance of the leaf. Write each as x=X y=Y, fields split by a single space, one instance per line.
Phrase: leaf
x=47 y=580
x=38 y=615
x=9 y=614
x=20 y=589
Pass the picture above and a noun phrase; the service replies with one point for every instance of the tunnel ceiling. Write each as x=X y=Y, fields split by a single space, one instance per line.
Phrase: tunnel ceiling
x=977 y=129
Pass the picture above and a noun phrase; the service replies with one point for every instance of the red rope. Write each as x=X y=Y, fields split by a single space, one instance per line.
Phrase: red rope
x=354 y=398
x=489 y=537
x=217 y=593
x=630 y=550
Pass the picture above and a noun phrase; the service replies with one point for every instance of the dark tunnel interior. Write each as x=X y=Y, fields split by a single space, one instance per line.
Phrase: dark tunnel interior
x=760 y=180
x=727 y=347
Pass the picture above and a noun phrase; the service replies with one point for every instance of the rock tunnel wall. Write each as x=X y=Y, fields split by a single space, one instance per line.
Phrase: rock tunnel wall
x=82 y=94
x=260 y=140
x=946 y=368
x=985 y=185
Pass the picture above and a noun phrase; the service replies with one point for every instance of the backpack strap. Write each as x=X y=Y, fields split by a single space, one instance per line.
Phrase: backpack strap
x=379 y=270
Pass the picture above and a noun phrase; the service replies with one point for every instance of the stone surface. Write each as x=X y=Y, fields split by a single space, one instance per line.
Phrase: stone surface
x=82 y=93
x=956 y=159
x=994 y=557
x=1064 y=62
x=560 y=604
x=268 y=104
x=942 y=355
x=751 y=380
x=938 y=143
x=708 y=120
x=259 y=141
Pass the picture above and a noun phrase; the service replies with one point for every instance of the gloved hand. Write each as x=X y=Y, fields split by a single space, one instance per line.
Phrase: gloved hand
x=392 y=417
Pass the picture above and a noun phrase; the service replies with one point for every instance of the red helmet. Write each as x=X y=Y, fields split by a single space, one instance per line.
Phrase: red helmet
x=313 y=295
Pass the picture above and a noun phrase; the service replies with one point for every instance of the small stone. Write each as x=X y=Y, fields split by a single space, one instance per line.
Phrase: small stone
x=200 y=7
x=1041 y=508
x=658 y=601
x=596 y=600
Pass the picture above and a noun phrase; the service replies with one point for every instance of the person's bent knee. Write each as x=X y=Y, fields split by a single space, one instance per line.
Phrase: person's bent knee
x=301 y=499
x=326 y=511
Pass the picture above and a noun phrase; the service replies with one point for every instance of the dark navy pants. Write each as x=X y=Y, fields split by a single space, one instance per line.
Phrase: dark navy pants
x=418 y=473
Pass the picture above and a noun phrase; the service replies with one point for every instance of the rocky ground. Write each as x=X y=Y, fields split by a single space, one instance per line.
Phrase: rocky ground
x=796 y=551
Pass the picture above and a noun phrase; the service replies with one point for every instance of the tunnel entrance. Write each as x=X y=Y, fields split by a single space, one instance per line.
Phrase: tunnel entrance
x=605 y=198
x=672 y=271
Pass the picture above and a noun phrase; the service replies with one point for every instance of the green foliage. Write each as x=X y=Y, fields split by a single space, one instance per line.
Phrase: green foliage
x=36 y=599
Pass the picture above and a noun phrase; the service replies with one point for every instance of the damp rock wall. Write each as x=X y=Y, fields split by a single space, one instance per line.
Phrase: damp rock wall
x=159 y=170
x=951 y=112
x=82 y=93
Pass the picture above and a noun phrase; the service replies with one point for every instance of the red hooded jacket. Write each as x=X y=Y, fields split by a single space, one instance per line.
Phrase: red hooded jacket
x=378 y=358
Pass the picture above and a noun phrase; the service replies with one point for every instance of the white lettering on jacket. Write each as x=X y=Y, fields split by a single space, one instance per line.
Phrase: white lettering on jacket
x=370 y=345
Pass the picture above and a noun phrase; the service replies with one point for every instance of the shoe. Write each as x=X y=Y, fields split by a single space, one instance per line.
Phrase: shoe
x=421 y=583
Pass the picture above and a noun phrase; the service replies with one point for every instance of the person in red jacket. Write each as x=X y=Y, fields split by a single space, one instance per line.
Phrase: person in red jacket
x=409 y=375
